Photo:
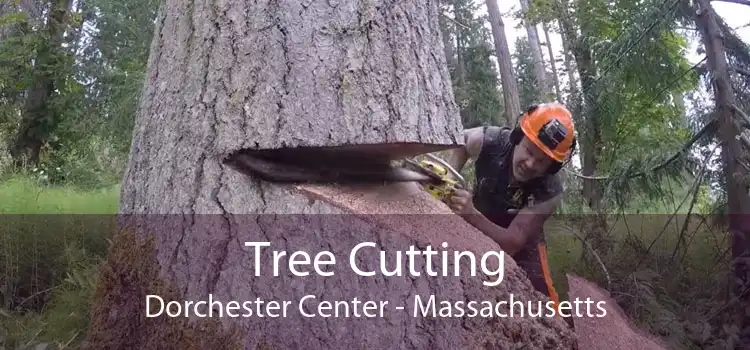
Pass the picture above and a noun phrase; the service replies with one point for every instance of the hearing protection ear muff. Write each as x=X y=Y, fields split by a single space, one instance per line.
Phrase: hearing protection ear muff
x=516 y=135
x=556 y=166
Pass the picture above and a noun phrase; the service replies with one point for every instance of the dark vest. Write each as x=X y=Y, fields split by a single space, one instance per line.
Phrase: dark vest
x=493 y=194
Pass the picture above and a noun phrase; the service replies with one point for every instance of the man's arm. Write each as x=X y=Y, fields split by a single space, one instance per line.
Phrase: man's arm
x=527 y=223
x=473 y=139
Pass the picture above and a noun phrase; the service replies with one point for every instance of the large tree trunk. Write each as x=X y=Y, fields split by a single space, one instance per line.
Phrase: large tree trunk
x=374 y=74
x=738 y=200
x=293 y=75
x=510 y=85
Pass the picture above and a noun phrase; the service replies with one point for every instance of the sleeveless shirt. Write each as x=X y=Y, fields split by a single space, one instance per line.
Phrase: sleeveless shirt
x=494 y=195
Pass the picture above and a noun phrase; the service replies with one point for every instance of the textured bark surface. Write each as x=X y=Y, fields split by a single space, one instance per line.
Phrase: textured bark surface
x=613 y=331
x=236 y=75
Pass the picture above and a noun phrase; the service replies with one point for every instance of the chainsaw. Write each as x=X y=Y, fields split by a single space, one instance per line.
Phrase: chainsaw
x=446 y=178
x=326 y=165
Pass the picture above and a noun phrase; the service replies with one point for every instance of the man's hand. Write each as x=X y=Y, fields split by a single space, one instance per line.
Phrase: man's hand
x=460 y=202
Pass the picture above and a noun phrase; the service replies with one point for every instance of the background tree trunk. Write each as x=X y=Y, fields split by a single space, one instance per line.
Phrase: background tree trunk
x=738 y=200
x=448 y=45
x=460 y=60
x=570 y=69
x=553 y=64
x=292 y=75
x=508 y=79
x=536 y=53
x=38 y=119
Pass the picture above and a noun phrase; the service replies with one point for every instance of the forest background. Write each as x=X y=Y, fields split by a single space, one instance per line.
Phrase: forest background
x=634 y=72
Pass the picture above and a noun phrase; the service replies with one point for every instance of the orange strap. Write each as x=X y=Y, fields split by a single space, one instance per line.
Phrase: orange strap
x=552 y=293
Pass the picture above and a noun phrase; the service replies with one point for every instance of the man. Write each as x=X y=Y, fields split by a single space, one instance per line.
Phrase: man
x=513 y=168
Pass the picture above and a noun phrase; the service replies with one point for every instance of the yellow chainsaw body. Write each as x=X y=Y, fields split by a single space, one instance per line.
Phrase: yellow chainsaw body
x=447 y=185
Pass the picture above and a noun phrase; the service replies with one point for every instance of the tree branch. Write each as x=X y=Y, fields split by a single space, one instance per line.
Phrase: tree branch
x=708 y=128
x=741 y=2
x=454 y=21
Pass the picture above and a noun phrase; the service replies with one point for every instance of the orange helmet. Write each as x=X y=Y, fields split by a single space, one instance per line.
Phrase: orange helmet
x=550 y=127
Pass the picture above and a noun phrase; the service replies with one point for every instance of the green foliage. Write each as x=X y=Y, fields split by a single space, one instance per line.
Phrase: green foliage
x=118 y=67
x=15 y=69
x=65 y=318
x=50 y=261
x=637 y=77
x=639 y=68
x=483 y=105
x=97 y=85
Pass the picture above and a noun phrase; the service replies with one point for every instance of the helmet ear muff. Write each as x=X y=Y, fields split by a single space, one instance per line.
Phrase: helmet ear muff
x=556 y=166
x=516 y=135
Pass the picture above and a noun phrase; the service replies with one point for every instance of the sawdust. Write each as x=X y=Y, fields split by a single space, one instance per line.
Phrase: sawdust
x=396 y=198
x=613 y=331
x=404 y=210
x=396 y=205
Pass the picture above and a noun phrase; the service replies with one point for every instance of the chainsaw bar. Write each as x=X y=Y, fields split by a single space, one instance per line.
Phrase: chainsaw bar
x=326 y=171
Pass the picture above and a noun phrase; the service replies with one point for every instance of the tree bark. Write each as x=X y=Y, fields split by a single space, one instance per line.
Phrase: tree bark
x=367 y=75
x=293 y=74
x=589 y=137
x=738 y=200
x=590 y=140
x=510 y=85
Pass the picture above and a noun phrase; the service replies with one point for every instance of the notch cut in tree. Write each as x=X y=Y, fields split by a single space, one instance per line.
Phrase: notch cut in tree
x=236 y=75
